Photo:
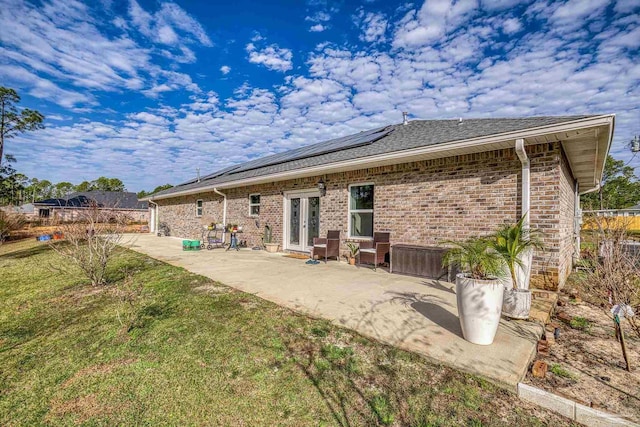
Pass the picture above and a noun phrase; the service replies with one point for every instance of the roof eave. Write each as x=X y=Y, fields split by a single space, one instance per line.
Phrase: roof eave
x=486 y=143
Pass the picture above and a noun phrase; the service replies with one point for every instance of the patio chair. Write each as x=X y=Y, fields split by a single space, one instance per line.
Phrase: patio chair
x=375 y=251
x=328 y=246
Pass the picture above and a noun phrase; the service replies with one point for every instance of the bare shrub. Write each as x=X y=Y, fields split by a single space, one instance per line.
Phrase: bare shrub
x=613 y=270
x=90 y=241
x=10 y=222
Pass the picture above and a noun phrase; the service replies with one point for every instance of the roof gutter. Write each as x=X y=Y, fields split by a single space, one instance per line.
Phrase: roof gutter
x=398 y=156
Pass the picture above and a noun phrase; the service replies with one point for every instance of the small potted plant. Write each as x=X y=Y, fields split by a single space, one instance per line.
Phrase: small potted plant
x=353 y=251
x=479 y=291
x=515 y=244
x=268 y=244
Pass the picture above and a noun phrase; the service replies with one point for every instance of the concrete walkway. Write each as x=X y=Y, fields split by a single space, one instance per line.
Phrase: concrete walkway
x=411 y=313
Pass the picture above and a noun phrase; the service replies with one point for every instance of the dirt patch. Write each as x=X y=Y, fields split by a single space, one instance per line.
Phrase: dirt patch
x=100 y=369
x=249 y=304
x=212 y=289
x=586 y=363
x=83 y=408
x=77 y=293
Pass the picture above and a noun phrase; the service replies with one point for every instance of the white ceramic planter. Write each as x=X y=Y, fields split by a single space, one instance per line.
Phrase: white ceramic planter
x=517 y=303
x=271 y=247
x=479 y=307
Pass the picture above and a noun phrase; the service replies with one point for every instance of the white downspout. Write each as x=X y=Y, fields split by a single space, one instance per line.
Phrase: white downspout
x=577 y=224
x=155 y=218
x=523 y=273
x=224 y=212
x=526 y=180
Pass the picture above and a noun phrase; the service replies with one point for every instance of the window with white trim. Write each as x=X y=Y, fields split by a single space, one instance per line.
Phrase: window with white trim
x=254 y=204
x=361 y=210
x=199 y=207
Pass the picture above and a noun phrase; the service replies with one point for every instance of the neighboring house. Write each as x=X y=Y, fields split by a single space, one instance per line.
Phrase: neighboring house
x=27 y=210
x=425 y=181
x=628 y=218
x=117 y=203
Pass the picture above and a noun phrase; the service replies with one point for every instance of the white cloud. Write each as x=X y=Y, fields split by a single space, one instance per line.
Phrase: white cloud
x=373 y=26
x=317 y=28
x=225 y=69
x=62 y=42
x=273 y=57
x=511 y=25
x=320 y=16
x=438 y=67
x=162 y=24
x=433 y=20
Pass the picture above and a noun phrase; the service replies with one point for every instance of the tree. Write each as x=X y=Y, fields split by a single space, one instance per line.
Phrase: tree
x=91 y=241
x=144 y=193
x=12 y=183
x=12 y=122
x=101 y=184
x=83 y=186
x=107 y=184
x=39 y=190
x=619 y=188
x=63 y=188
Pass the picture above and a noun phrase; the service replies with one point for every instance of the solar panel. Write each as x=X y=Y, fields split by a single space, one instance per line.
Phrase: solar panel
x=338 y=144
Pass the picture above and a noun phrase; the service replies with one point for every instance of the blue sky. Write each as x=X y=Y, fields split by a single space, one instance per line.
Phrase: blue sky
x=148 y=91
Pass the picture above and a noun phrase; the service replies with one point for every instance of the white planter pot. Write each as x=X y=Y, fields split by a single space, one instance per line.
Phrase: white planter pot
x=479 y=307
x=517 y=303
x=271 y=247
x=523 y=274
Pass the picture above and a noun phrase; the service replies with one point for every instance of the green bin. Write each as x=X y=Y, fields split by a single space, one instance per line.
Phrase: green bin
x=191 y=245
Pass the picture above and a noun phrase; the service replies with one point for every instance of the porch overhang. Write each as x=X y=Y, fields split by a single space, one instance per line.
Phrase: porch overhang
x=586 y=143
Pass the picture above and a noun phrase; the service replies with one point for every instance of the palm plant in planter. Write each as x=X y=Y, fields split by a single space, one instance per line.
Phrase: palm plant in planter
x=479 y=291
x=353 y=251
x=268 y=243
x=515 y=244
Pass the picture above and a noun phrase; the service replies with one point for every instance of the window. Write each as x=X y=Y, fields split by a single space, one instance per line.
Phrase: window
x=254 y=204
x=361 y=210
x=199 y=207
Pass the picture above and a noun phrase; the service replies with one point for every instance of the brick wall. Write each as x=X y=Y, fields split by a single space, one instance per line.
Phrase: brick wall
x=423 y=202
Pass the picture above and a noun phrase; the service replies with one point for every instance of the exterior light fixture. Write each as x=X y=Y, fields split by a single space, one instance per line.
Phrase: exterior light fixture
x=322 y=188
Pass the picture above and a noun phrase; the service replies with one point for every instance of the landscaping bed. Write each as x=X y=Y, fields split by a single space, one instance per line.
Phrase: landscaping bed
x=200 y=353
x=586 y=364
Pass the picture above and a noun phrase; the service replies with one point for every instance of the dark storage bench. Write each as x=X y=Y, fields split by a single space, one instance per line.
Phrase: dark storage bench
x=422 y=261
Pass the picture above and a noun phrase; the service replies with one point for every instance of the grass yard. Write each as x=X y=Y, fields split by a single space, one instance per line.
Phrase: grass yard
x=203 y=354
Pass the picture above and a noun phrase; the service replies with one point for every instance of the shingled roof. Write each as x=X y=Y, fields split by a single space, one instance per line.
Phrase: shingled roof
x=103 y=199
x=415 y=134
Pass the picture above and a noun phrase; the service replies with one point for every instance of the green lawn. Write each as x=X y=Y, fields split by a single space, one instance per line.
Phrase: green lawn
x=204 y=354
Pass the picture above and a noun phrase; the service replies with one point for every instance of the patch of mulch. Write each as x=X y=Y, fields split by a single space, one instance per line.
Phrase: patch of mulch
x=297 y=256
x=588 y=362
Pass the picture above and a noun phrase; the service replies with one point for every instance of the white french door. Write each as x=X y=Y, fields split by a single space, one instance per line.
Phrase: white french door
x=301 y=220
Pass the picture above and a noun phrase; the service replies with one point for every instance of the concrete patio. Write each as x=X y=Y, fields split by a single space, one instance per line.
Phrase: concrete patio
x=411 y=313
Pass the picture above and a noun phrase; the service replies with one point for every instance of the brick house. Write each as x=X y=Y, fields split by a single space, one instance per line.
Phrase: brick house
x=424 y=181
x=122 y=204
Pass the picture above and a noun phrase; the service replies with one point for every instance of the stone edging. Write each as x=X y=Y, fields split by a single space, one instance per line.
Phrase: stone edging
x=570 y=409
